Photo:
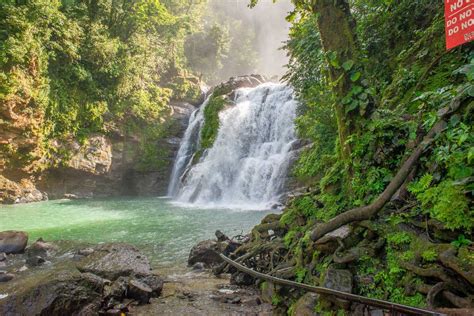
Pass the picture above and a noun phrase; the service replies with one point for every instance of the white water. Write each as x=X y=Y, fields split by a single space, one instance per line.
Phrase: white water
x=189 y=144
x=247 y=165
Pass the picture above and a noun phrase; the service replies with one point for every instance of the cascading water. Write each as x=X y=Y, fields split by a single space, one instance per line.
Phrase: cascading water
x=247 y=165
x=188 y=146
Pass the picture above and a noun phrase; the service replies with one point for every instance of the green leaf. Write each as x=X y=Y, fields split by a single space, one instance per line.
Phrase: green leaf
x=356 y=90
x=348 y=65
x=363 y=96
x=352 y=106
x=355 y=76
x=346 y=100
x=335 y=63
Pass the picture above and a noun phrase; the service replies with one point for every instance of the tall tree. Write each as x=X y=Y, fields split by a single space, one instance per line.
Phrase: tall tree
x=337 y=30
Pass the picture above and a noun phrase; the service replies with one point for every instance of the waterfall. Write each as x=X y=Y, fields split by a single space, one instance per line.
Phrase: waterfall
x=247 y=165
x=188 y=146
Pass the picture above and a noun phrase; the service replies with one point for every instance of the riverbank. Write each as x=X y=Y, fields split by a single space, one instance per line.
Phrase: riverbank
x=64 y=277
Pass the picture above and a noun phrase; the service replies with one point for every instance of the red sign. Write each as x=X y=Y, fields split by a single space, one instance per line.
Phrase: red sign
x=459 y=16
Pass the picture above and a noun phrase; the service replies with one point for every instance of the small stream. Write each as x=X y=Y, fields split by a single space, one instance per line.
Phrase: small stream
x=164 y=231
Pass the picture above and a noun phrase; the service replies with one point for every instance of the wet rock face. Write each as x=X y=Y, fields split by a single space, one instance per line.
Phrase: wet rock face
x=111 y=261
x=13 y=241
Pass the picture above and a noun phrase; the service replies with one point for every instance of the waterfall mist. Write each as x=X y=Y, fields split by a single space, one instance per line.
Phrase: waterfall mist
x=237 y=40
x=267 y=20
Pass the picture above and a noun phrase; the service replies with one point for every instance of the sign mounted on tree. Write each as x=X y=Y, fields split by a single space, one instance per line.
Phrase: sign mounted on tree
x=459 y=16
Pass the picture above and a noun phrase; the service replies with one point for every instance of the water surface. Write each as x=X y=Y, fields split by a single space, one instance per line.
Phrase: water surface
x=162 y=230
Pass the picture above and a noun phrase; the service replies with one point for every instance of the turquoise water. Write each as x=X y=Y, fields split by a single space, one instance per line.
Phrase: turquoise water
x=164 y=231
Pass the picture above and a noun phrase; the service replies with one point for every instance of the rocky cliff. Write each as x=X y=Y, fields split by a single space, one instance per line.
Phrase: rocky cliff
x=103 y=165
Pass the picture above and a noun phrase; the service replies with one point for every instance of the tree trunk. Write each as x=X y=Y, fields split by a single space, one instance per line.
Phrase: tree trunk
x=337 y=30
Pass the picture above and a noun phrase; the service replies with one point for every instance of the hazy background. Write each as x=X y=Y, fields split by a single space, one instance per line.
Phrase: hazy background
x=242 y=40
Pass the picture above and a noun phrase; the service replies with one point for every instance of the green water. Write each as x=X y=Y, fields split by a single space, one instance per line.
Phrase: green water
x=164 y=231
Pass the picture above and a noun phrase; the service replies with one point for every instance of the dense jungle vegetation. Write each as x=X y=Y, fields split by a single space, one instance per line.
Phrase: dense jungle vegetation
x=72 y=68
x=389 y=115
x=387 y=111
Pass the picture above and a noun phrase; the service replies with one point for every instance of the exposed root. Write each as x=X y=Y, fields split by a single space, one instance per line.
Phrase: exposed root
x=433 y=293
x=366 y=212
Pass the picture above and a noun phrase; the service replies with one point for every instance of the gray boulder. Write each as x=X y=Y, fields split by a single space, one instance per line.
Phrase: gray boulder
x=111 y=261
x=37 y=253
x=139 y=291
x=338 y=279
x=56 y=292
x=155 y=283
x=13 y=241
x=207 y=252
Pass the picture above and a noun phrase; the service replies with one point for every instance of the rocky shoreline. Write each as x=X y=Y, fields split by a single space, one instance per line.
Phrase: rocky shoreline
x=63 y=277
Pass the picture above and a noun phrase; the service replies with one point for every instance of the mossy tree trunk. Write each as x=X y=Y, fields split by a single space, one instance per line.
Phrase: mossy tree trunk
x=337 y=30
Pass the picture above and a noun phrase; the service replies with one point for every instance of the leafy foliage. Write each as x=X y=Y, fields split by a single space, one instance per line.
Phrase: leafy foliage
x=399 y=78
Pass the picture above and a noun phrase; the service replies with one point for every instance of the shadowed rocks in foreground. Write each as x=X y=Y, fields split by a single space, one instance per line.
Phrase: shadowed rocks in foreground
x=107 y=277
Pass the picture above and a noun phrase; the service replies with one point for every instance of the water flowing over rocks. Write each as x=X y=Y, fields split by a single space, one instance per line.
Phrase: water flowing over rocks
x=255 y=145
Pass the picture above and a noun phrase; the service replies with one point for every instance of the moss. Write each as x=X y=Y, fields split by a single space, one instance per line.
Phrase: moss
x=466 y=256
x=210 y=127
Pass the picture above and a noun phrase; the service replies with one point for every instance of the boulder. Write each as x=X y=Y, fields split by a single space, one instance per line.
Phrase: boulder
x=13 y=241
x=241 y=278
x=207 y=252
x=95 y=157
x=54 y=292
x=139 y=291
x=111 y=261
x=305 y=305
x=155 y=283
x=117 y=289
x=37 y=253
x=229 y=87
x=338 y=279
